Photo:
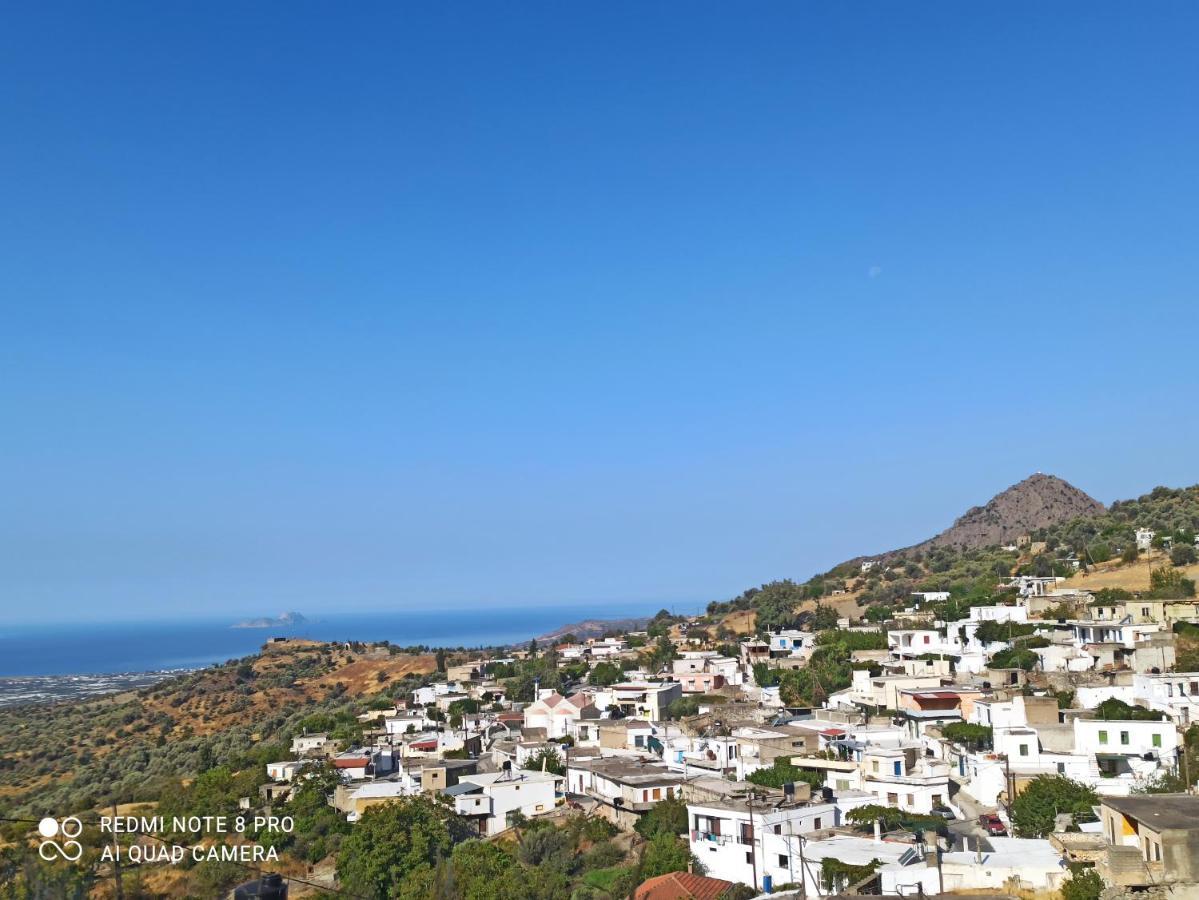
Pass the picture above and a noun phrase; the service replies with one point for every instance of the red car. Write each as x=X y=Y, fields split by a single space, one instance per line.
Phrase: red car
x=992 y=825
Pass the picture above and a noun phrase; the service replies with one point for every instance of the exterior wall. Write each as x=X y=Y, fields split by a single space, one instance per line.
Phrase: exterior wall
x=531 y=798
x=733 y=853
x=1093 y=736
x=700 y=682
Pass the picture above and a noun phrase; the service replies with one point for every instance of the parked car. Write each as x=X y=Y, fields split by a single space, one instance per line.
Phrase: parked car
x=992 y=824
x=944 y=812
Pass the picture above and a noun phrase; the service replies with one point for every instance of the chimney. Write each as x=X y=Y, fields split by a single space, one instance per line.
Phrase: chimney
x=878 y=831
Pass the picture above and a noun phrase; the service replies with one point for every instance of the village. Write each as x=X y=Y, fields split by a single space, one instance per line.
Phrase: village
x=919 y=777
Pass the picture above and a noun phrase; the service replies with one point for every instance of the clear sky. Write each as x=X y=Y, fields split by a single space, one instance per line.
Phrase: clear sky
x=337 y=306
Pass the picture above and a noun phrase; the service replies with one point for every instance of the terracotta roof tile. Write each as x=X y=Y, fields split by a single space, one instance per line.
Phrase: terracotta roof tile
x=681 y=886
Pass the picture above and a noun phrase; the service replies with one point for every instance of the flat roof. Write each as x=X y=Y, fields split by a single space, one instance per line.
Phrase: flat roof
x=1159 y=810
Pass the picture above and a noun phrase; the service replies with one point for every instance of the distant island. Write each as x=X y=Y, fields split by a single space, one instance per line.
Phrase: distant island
x=288 y=618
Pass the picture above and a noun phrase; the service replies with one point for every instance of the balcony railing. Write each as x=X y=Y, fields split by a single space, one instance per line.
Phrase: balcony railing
x=709 y=837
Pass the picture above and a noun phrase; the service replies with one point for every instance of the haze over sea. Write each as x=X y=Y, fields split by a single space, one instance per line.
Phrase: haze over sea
x=99 y=647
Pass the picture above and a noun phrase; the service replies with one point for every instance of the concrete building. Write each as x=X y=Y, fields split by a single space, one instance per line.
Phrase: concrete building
x=489 y=800
x=645 y=699
x=626 y=788
x=1152 y=842
x=558 y=714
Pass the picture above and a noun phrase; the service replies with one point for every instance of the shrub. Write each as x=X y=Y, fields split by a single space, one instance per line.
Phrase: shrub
x=1034 y=809
x=1083 y=884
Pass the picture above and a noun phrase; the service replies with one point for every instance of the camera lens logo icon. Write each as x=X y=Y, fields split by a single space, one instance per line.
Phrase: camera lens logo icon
x=69 y=849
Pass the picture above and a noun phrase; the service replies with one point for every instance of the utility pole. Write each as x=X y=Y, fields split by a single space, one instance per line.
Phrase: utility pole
x=803 y=872
x=753 y=856
x=1007 y=784
x=1186 y=763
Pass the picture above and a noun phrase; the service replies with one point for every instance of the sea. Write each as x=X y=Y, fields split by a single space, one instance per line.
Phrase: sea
x=156 y=646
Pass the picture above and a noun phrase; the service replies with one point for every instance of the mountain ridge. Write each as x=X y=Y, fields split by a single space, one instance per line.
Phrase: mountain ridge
x=1038 y=501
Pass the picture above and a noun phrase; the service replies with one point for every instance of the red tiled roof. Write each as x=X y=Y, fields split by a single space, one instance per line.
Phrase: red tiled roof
x=833 y=732
x=350 y=762
x=681 y=886
x=424 y=745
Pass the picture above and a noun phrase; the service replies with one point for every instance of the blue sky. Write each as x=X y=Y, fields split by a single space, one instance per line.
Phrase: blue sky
x=395 y=306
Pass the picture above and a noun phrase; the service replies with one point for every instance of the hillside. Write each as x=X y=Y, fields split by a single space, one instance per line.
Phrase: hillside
x=967 y=559
x=135 y=745
x=1039 y=501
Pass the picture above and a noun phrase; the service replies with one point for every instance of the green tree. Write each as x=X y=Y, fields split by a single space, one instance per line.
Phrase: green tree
x=485 y=871
x=775 y=604
x=1035 y=808
x=395 y=847
x=666 y=853
x=764 y=676
x=1116 y=710
x=549 y=757
x=783 y=772
x=1083 y=884
x=1169 y=584
x=668 y=817
x=823 y=618
x=662 y=653
x=605 y=674
x=976 y=737
x=1183 y=555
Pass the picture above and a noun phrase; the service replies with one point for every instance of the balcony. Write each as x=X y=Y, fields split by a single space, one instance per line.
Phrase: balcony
x=708 y=837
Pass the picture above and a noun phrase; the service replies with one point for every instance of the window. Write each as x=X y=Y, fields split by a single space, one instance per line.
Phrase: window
x=1145 y=611
x=1103 y=737
x=782 y=861
x=1024 y=749
x=1195 y=687
x=657 y=793
x=1157 y=739
x=911 y=800
x=778 y=829
x=898 y=767
x=816 y=823
x=892 y=799
x=747 y=833
x=749 y=859
x=1124 y=738
x=874 y=765
x=1061 y=768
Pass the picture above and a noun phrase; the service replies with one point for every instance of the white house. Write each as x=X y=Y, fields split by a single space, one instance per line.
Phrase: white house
x=284 y=771
x=789 y=642
x=1176 y=694
x=558 y=714
x=642 y=699
x=899 y=777
x=309 y=744
x=728 y=836
x=490 y=799
x=1145 y=538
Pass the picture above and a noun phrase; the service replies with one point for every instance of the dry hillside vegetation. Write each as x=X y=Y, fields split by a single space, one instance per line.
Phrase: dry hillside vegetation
x=128 y=746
